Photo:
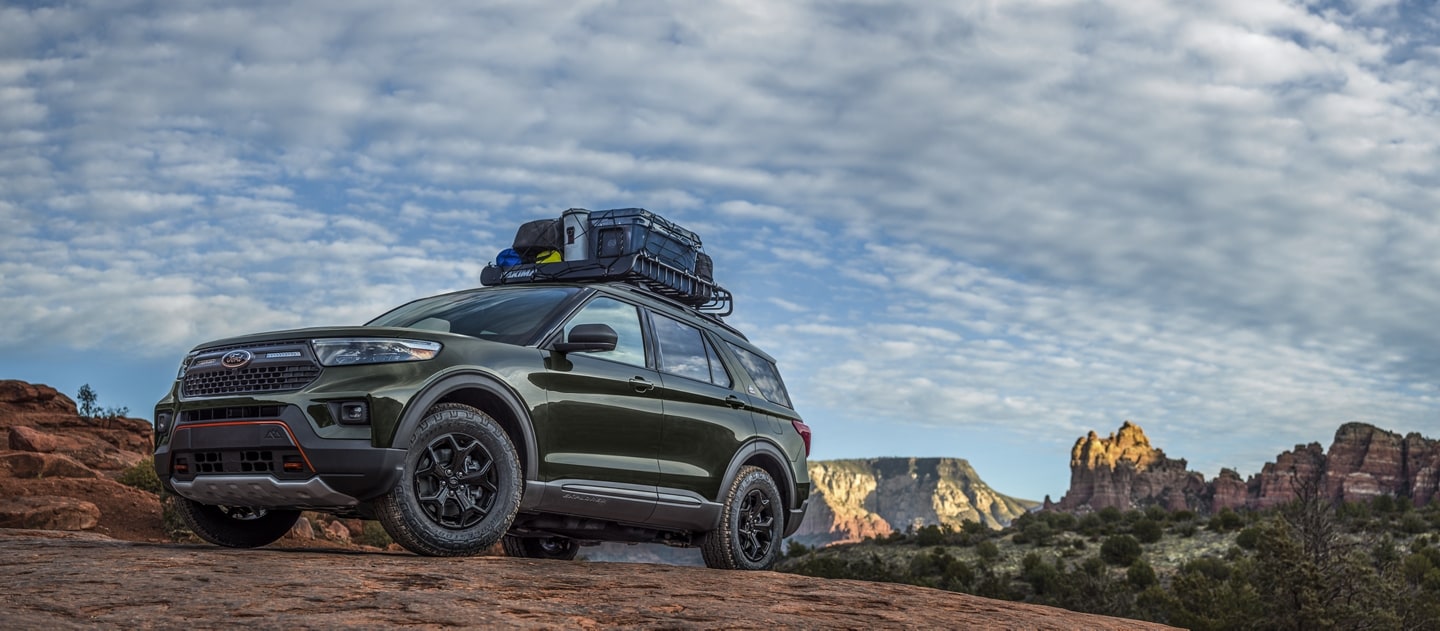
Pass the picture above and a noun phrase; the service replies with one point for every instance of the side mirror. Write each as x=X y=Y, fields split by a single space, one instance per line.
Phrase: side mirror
x=589 y=338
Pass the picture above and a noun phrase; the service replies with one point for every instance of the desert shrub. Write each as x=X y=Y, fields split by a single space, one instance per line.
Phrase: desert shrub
x=1157 y=513
x=1110 y=514
x=1132 y=516
x=170 y=519
x=1382 y=505
x=1412 y=523
x=795 y=549
x=1038 y=533
x=141 y=476
x=1147 y=530
x=930 y=535
x=1248 y=538
x=1044 y=578
x=1091 y=525
x=1186 y=529
x=1140 y=575
x=1121 y=550
x=987 y=551
x=1226 y=520
x=1060 y=522
x=373 y=534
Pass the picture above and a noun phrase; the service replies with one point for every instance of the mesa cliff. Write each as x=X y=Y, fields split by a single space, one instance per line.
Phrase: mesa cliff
x=1124 y=471
x=855 y=499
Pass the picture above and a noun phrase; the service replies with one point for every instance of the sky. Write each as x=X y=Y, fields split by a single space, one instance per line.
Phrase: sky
x=973 y=229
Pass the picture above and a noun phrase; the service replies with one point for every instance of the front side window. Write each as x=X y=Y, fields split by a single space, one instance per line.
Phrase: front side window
x=684 y=352
x=513 y=316
x=766 y=377
x=624 y=318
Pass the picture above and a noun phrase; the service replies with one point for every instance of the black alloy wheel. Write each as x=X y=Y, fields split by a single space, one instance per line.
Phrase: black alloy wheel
x=460 y=486
x=751 y=524
x=456 y=482
x=757 y=526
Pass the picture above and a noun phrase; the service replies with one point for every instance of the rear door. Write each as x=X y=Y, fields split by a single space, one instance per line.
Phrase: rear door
x=706 y=418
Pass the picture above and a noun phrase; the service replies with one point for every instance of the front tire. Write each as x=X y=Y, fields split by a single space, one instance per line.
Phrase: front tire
x=752 y=523
x=460 y=487
x=235 y=526
x=557 y=548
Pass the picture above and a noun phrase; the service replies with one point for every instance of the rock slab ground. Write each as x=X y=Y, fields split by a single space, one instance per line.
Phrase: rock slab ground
x=55 y=580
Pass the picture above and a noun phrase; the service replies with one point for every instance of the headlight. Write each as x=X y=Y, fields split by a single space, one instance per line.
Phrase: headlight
x=352 y=351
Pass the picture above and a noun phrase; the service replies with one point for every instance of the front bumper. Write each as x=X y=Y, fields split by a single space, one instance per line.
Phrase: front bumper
x=262 y=459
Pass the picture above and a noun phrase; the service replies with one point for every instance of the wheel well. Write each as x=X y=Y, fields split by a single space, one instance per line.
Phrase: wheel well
x=777 y=473
x=491 y=403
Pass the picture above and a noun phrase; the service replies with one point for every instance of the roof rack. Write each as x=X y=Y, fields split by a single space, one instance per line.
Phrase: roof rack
x=640 y=269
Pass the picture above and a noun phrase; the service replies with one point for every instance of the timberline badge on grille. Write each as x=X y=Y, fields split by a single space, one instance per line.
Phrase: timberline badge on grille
x=236 y=359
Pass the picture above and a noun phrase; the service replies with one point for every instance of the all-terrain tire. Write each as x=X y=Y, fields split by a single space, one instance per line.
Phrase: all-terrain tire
x=235 y=527
x=460 y=487
x=752 y=523
x=557 y=548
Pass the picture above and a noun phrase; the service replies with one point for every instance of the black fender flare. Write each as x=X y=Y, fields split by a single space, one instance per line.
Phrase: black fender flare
x=764 y=448
x=469 y=380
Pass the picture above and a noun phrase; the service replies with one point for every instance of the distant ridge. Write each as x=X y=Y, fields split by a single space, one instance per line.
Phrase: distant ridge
x=872 y=497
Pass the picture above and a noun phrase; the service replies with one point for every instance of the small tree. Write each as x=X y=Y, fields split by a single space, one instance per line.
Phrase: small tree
x=90 y=409
x=87 y=398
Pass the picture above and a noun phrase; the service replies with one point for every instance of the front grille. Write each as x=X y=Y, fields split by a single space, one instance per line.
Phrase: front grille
x=251 y=380
x=233 y=461
x=225 y=414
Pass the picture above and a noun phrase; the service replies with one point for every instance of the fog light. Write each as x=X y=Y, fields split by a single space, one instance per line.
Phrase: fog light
x=162 y=422
x=354 y=413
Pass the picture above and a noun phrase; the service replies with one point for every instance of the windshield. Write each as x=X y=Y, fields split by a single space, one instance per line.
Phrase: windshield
x=511 y=315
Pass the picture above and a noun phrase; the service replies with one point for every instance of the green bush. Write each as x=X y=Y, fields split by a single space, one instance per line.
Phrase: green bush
x=987 y=551
x=1121 y=550
x=1248 y=538
x=1147 y=530
x=1140 y=575
x=795 y=549
x=1110 y=514
x=141 y=476
x=373 y=534
x=1226 y=520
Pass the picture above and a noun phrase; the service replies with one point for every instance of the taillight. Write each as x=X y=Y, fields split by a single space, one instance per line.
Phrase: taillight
x=804 y=434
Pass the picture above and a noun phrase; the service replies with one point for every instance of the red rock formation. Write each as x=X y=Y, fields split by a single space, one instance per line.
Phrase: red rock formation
x=1124 y=471
x=1228 y=491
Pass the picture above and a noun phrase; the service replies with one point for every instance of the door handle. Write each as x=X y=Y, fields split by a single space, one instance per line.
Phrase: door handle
x=734 y=402
x=641 y=385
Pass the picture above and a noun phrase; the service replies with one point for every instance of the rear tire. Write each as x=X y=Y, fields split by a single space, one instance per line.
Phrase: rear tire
x=557 y=548
x=460 y=487
x=235 y=526
x=752 y=523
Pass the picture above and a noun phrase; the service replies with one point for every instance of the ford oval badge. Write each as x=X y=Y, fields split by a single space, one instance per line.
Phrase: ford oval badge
x=236 y=359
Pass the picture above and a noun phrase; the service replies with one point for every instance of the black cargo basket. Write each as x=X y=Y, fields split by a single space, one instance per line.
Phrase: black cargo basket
x=641 y=269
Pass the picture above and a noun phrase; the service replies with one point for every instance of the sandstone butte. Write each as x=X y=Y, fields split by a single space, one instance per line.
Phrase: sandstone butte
x=78 y=549
x=1124 y=471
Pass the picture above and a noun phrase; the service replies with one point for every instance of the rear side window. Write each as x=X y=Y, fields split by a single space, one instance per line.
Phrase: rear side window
x=762 y=371
x=684 y=352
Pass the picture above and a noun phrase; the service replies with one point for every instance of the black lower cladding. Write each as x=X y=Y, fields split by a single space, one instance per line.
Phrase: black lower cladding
x=281 y=444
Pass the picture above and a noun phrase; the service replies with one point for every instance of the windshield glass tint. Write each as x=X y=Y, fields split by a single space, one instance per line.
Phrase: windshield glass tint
x=513 y=316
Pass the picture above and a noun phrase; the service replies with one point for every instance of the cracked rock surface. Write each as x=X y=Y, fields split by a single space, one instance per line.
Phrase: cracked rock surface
x=60 y=580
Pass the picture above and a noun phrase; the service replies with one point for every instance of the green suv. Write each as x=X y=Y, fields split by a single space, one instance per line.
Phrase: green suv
x=544 y=416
